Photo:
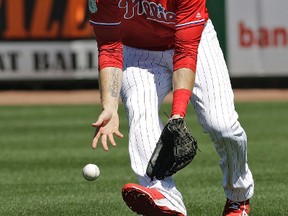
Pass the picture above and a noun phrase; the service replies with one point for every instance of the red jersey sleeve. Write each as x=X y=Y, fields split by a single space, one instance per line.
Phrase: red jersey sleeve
x=191 y=17
x=106 y=24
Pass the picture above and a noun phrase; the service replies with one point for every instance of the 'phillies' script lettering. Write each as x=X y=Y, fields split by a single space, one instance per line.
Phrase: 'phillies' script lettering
x=153 y=11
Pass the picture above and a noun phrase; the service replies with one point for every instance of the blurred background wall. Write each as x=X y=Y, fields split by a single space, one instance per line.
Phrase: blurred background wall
x=48 y=44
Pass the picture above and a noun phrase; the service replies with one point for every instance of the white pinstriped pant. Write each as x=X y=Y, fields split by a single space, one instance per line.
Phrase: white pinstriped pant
x=147 y=79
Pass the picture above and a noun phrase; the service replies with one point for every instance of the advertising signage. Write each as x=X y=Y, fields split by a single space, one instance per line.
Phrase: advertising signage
x=46 y=39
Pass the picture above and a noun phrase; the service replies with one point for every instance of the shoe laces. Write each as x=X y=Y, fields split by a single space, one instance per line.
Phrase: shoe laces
x=234 y=205
x=237 y=206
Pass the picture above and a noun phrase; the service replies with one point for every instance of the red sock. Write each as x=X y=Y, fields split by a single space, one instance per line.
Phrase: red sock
x=180 y=101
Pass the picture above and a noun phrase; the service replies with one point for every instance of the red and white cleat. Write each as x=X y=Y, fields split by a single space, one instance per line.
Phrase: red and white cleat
x=236 y=208
x=147 y=201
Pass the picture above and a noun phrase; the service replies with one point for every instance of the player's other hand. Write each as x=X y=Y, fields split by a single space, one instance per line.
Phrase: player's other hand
x=106 y=126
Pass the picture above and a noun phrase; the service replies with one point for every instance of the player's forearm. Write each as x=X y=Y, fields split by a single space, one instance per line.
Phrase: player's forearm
x=110 y=81
x=183 y=78
x=183 y=83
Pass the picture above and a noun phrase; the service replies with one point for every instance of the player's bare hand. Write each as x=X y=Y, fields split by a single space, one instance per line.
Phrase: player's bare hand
x=106 y=126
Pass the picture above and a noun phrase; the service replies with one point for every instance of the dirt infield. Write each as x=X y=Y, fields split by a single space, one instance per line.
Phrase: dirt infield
x=93 y=96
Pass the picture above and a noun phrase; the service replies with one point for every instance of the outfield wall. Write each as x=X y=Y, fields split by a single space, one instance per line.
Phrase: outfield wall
x=46 y=40
x=52 y=41
x=257 y=38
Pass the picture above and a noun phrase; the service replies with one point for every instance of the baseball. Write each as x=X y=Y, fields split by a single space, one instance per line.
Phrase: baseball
x=91 y=172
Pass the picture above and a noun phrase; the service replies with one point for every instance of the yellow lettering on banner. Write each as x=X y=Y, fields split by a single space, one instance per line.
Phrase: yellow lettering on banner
x=15 y=20
x=74 y=17
x=40 y=20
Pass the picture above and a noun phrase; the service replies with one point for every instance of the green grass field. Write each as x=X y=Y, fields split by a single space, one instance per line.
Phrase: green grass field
x=43 y=150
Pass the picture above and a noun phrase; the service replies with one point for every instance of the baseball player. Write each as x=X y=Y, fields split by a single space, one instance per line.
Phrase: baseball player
x=146 y=49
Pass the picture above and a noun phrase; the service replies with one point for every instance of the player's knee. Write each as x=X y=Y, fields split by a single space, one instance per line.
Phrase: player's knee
x=223 y=132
